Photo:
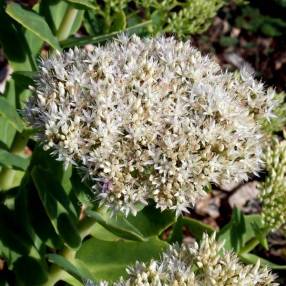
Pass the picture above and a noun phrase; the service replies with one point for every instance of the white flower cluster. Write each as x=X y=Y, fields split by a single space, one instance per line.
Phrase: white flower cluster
x=206 y=264
x=150 y=119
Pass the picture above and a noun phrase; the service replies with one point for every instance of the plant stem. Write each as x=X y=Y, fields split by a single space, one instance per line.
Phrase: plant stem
x=67 y=23
x=250 y=245
x=56 y=273
x=97 y=39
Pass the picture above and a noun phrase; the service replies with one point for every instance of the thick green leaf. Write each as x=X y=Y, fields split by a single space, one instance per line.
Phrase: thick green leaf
x=55 y=188
x=70 y=280
x=61 y=174
x=252 y=259
x=148 y=222
x=118 y=22
x=260 y=233
x=77 y=271
x=239 y=230
x=34 y=219
x=8 y=254
x=101 y=233
x=83 y=4
x=27 y=76
x=7 y=131
x=10 y=113
x=30 y=271
x=33 y=22
x=84 y=194
x=57 y=206
x=177 y=231
x=12 y=235
x=107 y=260
x=118 y=225
x=34 y=42
x=197 y=228
x=151 y=221
x=12 y=161
x=53 y=12
x=14 y=43
x=68 y=230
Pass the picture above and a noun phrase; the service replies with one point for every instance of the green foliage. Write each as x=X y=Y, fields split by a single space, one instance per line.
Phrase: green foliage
x=184 y=17
x=107 y=260
x=253 y=21
x=9 y=113
x=32 y=22
x=241 y=230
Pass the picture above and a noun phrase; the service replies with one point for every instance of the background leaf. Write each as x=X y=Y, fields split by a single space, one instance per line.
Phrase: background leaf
x=239 y=230
x=57 y=207
x=83 y=4
x=148 y=222
x=33 y=22
x=252 y=259
x=13 y=161
x=7 y=111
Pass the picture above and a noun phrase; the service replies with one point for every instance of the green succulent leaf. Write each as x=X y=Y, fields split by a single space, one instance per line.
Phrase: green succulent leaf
x=118 y=22
x=252 y=259
x=10 y=113
x=151 y=221
x=58 y=208
x=101 y=233
x=239 y=230
x=196 y=227
x=14 y=43
x=30 y=271
x=107 y=260
x=33 y=22
x=15 y=241
x=7 y=131
x=12 y=161
x=34 y=219
x=118 y=225
x=77 y=270
x=148 y=222
x=83 y=4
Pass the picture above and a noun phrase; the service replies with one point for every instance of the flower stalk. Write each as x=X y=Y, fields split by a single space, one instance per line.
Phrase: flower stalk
x=67 y=23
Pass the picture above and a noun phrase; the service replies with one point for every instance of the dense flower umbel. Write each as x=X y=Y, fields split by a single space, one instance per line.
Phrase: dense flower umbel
x=273 y=190
x=150 y=118
x=206 y=264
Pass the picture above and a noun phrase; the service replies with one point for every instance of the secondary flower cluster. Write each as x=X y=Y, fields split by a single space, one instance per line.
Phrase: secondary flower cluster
x=273 y=190
x=197 y=265
x=150 y=119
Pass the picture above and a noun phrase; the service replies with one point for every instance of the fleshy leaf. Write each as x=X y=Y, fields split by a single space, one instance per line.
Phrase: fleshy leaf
x=107 y=260
x=33 y=22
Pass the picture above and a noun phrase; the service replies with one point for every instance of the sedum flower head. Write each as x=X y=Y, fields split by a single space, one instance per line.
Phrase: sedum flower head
x=273 y=189
x=150 y=119
x=204 y=264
